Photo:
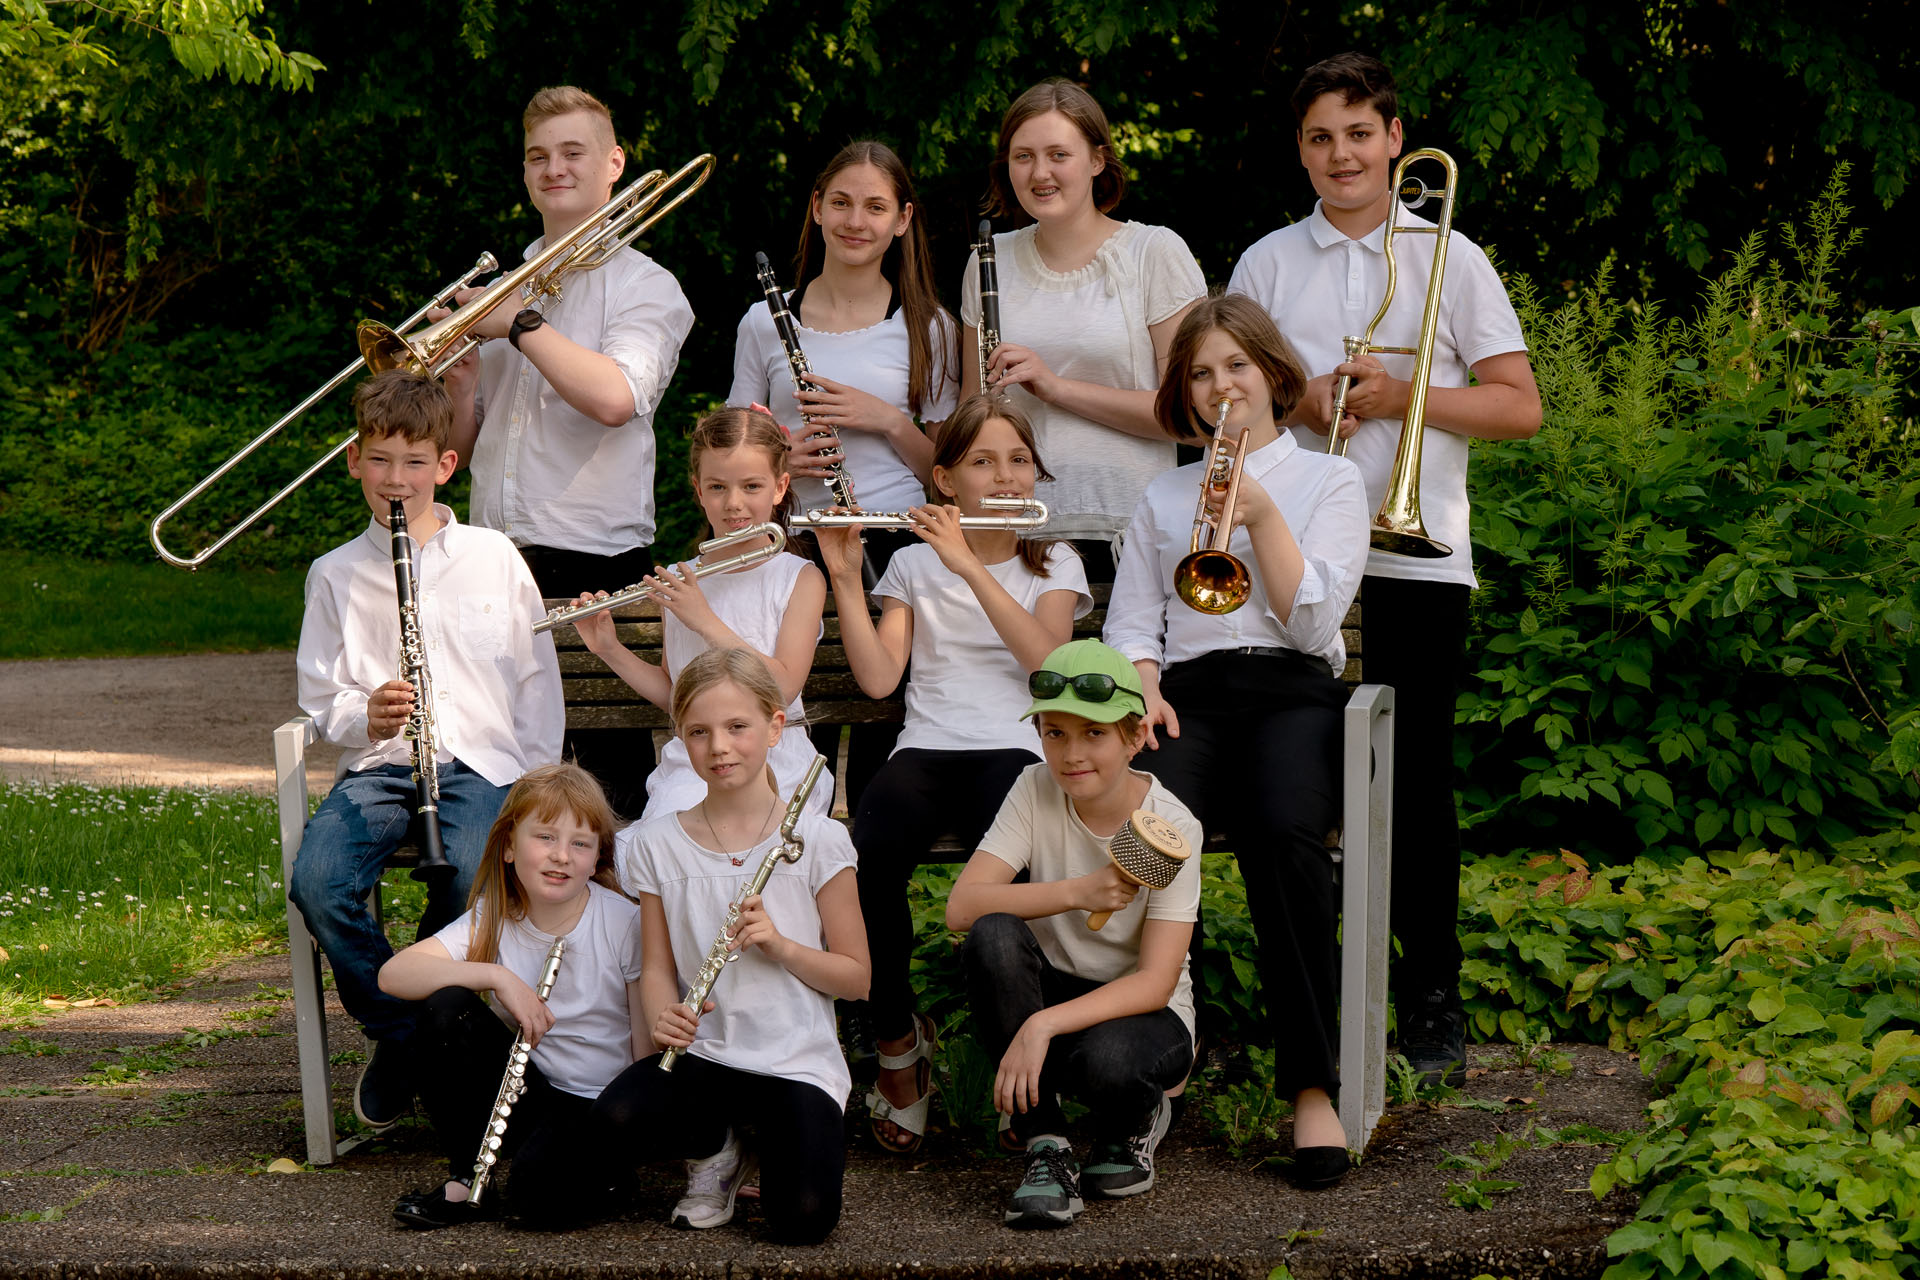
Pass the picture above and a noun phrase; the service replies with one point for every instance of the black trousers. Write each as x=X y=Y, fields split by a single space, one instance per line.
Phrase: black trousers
x=869 y=743
x=1414 y=638
x=1258 y=757
x=560 y=1172
x=650 y=1114
x=620 y=758
x=1118 y=1068
x=917 y=796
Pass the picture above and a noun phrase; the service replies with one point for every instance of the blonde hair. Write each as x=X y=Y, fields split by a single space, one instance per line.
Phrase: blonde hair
x=728 y=664
x=560 y=100
x=542 y=795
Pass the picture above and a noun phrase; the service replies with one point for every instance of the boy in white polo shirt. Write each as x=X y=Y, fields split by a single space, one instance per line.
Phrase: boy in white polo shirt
x=1323 y=278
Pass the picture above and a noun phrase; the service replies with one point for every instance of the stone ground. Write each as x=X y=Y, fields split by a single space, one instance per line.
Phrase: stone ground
x=165 y=1175
x=114 y=1175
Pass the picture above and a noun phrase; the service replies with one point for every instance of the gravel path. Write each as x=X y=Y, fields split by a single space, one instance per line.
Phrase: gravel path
x=199 y=720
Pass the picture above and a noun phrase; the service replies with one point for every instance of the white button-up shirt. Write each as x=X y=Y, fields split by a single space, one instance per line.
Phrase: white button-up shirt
x=496 y=686
x=546 y=474
x=1319 y=285
x=1325 y=507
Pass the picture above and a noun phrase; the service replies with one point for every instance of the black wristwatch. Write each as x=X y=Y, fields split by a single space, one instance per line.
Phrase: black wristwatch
x=526 y=322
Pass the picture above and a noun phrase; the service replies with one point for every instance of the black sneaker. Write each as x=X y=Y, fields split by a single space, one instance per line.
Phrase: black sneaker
x=1433 y=1036
x=1124 y=1166
x=1049 y=1196
x=385 y=1091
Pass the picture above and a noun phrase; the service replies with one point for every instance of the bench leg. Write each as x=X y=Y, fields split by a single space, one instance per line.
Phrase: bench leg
x=309 y=998
x=1367 y=820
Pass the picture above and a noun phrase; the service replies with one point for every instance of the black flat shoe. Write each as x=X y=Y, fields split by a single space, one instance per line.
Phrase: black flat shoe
x=1317 y=1168
x=431 y=1210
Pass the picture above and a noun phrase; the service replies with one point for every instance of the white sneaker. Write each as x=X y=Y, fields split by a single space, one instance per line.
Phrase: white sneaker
x=712 y=1184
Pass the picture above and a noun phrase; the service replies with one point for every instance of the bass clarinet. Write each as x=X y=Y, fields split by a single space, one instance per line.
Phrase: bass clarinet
x=419 y=730
x=721 y=953
x=989 y=330
x=512 y=1085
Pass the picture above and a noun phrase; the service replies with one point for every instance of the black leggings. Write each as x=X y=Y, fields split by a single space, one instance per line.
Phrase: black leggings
x=1118 y=1068
x=560 y=1174
x=685 y=1114
x=1258 y=757
x=916 y=797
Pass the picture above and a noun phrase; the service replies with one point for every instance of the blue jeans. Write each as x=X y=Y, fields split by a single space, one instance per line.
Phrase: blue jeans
x=363 y=820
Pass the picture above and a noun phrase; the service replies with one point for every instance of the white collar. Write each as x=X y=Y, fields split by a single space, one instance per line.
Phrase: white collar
x=1326 y=235
x=382 y=537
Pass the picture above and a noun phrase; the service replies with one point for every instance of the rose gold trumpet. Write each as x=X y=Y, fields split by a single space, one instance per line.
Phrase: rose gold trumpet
x=1210 y=578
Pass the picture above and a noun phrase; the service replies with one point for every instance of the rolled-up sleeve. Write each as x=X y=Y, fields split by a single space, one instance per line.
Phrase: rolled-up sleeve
x=646 y=324
x=1334 y=546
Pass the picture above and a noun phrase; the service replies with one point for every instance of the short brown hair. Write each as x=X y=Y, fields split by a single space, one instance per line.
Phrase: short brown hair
x=1248 y=323
x=955 y=437
x=1356 y=77
x=1077 y=105
x=559 y=100
x=397 y=402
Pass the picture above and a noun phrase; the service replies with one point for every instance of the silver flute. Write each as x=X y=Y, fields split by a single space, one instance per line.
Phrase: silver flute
x=640 y=591
x=1022 y=513
x=721 y=953
x=512 y=1085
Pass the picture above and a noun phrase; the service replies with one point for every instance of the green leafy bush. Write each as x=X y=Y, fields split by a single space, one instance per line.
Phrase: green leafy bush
x=1697 y=628
x=1776 y=999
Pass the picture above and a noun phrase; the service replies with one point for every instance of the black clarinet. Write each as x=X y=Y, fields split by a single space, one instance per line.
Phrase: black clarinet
x=989 y=330
x=840 y=482
x=419 y=730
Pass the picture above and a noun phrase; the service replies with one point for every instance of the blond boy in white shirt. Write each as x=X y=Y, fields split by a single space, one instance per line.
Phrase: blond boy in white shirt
x=497 y=706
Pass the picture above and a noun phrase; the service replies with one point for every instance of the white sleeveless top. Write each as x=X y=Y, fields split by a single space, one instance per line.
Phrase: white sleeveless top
x=753 y=602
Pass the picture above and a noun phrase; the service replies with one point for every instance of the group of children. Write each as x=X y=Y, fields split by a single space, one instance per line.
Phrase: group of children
x=1034 y=748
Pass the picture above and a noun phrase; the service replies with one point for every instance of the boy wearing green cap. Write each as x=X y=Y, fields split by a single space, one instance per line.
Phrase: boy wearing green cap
x=1105 y=1015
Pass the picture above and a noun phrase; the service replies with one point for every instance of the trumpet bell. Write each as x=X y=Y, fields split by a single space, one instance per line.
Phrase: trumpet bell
x=1212 y=581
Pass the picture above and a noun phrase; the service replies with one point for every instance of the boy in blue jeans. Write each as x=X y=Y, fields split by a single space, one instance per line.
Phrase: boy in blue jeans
x=497 y=707
x=1322 y=278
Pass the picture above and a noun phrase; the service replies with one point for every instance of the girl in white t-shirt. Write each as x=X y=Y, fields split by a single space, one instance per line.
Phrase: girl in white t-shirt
x=548 y=872
x=1101 y=1015
x=975 y=610
x=882 y=352
x=1244 y=707
x=762 y=1051
x=1088 y=305
x=737 y=460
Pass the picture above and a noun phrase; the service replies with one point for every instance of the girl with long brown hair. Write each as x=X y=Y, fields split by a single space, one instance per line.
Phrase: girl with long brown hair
x=976 y=610
x=548 y=873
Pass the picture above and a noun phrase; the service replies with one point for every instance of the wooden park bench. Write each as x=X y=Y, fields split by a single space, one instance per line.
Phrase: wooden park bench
x=598 y=699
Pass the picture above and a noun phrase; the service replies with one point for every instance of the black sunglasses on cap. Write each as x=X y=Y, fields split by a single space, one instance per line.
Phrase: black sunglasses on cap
x=1091 y=687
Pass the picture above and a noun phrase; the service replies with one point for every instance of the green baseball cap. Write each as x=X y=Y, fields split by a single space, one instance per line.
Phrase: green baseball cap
x=1086 y=678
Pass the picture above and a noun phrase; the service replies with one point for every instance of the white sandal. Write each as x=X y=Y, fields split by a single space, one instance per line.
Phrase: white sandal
x=912 y=1118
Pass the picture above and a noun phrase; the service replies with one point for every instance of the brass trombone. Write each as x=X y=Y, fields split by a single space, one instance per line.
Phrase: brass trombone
x=443 y=298
x=1019 y=514
x=640 y=591
x=1210 y=578
x=1397 y=527
x=617 y=223
x=435 y=349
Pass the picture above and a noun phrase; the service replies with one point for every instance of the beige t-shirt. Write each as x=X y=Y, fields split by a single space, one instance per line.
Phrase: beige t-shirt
x=1037 y=828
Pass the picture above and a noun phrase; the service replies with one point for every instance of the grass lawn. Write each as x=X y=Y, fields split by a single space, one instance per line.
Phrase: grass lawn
x=121 y=892
x=62 y=607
